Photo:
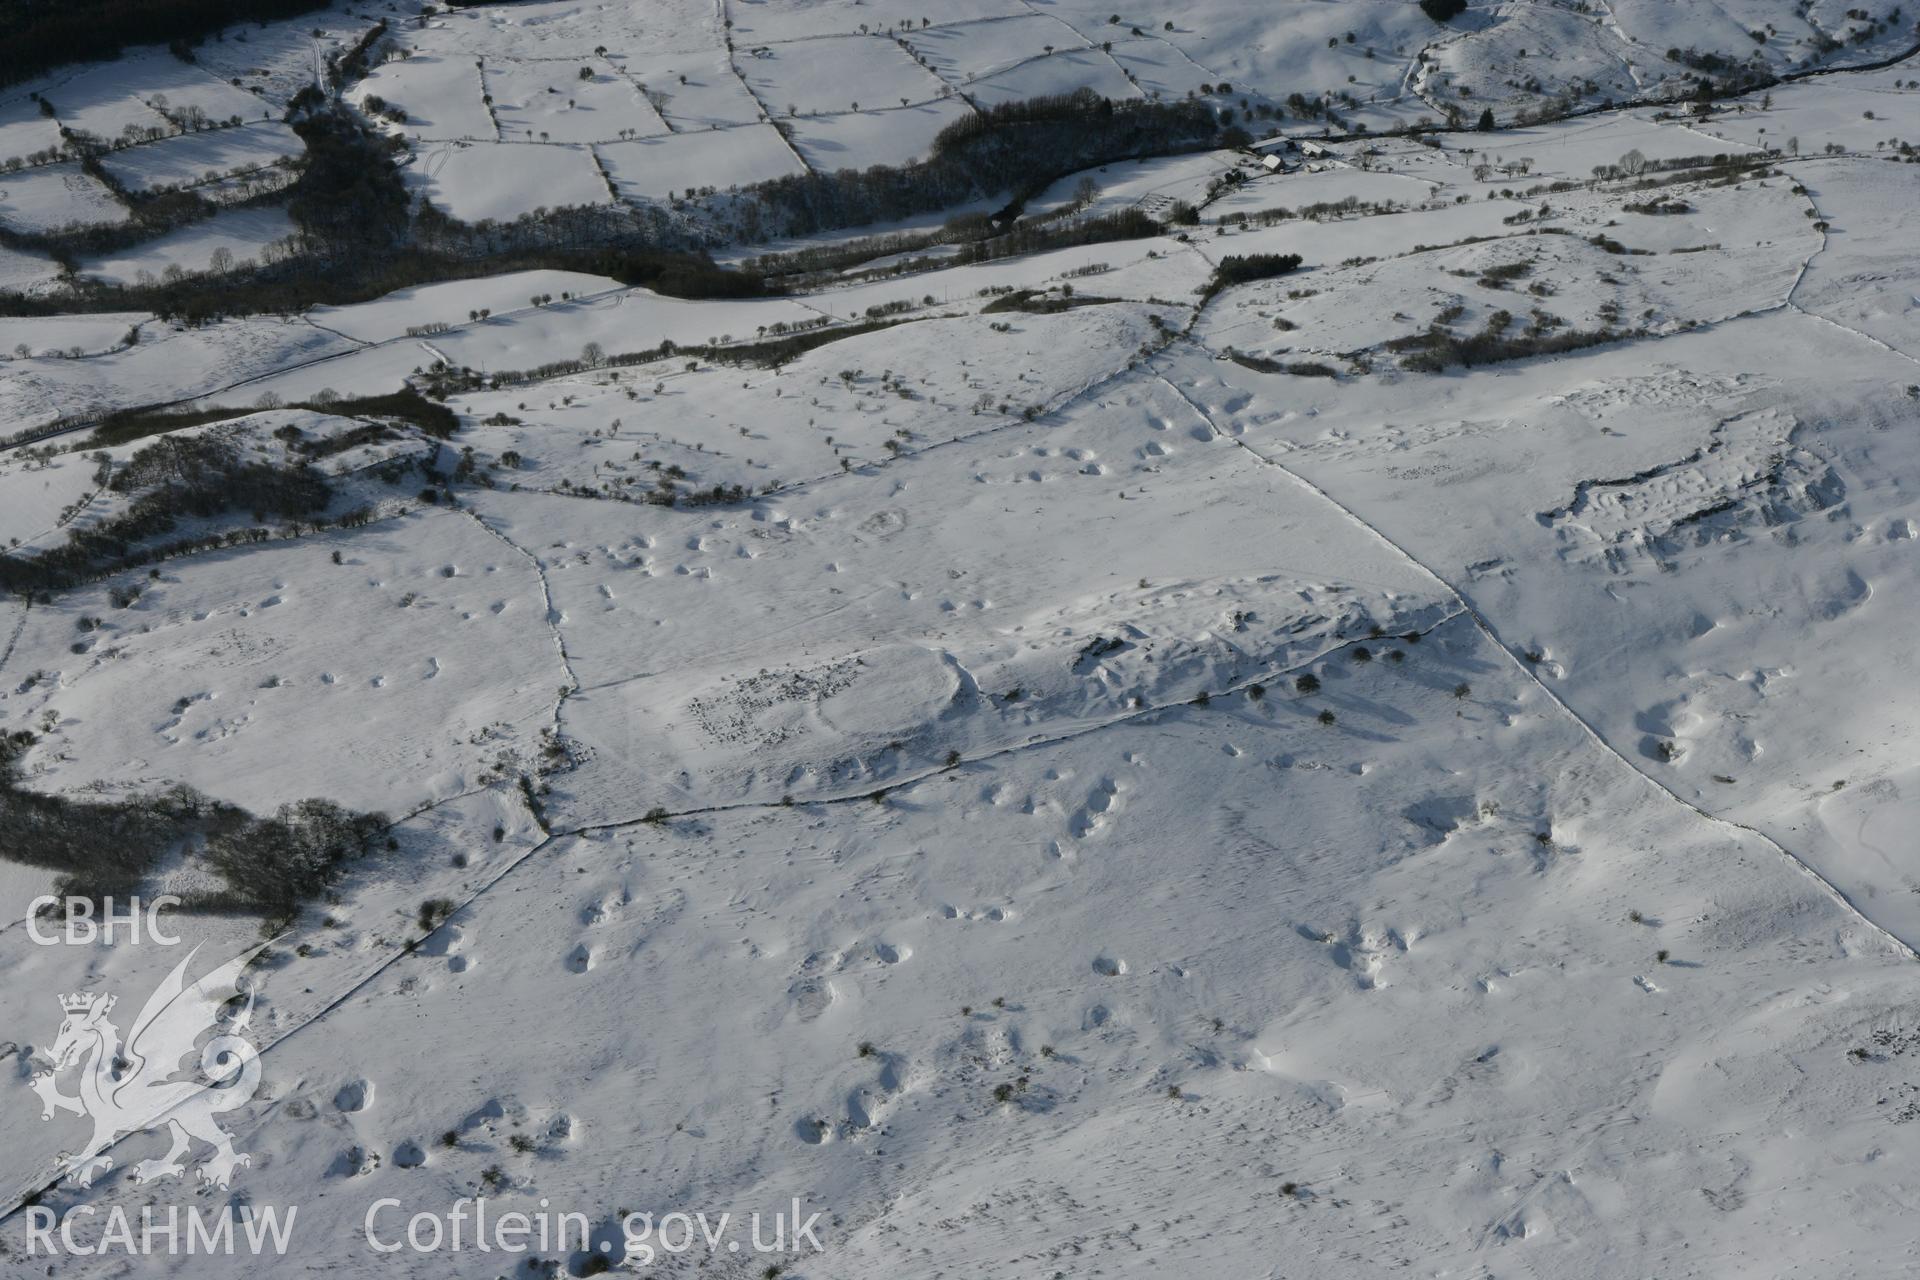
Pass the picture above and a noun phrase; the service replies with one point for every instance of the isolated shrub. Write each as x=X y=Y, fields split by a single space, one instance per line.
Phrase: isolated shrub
x=434 y=913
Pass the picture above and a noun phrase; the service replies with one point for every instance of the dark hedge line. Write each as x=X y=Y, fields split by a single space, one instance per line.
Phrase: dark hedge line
x=124 y=426
x=360 y=240
x=1243 y=268
x=267 y=866
x=182 y=477
x=1016 y=149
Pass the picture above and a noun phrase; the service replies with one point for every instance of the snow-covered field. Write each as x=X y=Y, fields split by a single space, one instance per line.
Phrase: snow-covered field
x=75 y=335
x=856 y=139
x=657 y=168
x=463 y=178
x=244 y=233
x=54 y=196
x=25 y=272
x=204 y=157
x=1077 y=764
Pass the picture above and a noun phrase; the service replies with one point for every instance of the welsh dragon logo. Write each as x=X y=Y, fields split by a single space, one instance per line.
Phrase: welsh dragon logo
x=131 y=1087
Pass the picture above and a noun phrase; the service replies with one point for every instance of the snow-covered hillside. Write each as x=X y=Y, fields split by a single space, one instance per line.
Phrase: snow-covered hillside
x=1280 y=710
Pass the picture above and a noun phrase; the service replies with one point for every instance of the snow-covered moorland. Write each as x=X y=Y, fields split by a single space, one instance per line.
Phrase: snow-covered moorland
x=1293 y=665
